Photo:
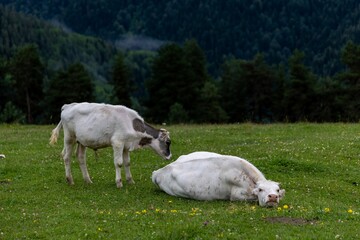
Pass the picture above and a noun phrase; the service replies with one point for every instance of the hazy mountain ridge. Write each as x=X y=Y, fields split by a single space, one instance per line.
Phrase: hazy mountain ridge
x=239 y=28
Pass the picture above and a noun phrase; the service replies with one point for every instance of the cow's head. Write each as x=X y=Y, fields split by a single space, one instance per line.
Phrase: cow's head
x=162 y=143
x=158 y=140
x=268 y=193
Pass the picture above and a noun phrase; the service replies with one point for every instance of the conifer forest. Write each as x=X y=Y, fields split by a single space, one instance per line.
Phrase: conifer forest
x=182 y=61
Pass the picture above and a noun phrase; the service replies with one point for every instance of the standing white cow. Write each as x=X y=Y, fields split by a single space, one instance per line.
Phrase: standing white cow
x=97 y=126
x=211 y=176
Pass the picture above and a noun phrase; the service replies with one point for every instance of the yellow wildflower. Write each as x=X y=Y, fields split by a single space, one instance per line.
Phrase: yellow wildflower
x=285 y=206
x=350 y=211
x=194 y=210
x=327 y=210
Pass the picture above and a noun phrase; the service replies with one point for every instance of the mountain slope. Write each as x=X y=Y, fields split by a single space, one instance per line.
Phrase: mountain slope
x=233 y=27
x=57 y=48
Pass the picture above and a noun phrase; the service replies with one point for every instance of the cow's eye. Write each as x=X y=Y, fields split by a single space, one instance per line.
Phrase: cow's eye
x=278 y=190
x=260 y=189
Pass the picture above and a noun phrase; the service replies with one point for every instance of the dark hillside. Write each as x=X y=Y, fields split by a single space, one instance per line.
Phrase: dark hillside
x=58 y=48
x=238 y=28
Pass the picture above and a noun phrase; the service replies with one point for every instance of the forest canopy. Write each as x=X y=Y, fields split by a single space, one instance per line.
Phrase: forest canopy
x=260 y=62
x=222 y=28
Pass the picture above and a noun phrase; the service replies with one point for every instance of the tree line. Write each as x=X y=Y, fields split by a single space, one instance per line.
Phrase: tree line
x=179 y=88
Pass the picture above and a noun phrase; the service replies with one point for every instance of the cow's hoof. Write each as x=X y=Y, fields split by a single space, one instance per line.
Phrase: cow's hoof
x=130 y=181
x=88 y=181
x=70 y=181
x=119 y=184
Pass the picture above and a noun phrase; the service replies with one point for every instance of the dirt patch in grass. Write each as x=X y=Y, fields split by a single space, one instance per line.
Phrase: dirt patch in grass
x=290 y=220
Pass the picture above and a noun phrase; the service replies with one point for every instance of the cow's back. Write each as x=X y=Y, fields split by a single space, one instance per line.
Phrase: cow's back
x=94 y=124
x=196 y=155
x=86 y=109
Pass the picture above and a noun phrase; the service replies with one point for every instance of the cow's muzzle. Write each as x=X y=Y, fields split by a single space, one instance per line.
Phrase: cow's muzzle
x=273 y=200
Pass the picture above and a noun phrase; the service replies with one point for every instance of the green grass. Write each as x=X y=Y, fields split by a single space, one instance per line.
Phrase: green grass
x=317 y=164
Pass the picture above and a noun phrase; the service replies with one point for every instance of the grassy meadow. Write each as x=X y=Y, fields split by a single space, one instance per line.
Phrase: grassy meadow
x=317 y=164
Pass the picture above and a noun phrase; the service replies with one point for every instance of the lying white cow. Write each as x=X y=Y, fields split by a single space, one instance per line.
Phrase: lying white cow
x=97 y=126
x=210 y=176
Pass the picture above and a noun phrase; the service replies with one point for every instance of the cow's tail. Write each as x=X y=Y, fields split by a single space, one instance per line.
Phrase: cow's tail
x=55 y=133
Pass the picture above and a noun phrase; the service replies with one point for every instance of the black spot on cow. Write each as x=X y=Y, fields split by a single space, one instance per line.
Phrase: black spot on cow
x=138 y=125
x=145 y=141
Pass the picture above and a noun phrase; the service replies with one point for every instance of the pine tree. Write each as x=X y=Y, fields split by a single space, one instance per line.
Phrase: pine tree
x=348 y=91
x=299 y=92
x=27 y=71
x=196 y=76
x=247 y=89
x=209 y=108
x=6 y=85
x=73 y=85
x=167 y=73
x=259 y=80
x=121 y=81
x=179 y=75
x=232 y=90
x=350 y=57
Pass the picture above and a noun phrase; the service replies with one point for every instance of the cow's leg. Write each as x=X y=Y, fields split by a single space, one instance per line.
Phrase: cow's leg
x=67 y=151
x=126 y=156
x=81 y=155
x=240 y=194
x=118 y=162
